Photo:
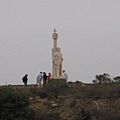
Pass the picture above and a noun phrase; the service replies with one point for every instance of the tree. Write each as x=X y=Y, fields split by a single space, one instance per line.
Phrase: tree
x=14 y=105
x=116 y=79
x=102 y=78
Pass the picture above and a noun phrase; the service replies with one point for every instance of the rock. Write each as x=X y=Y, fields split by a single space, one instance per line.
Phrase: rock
x=38 y=101
x=53 y=102
x=46 y=102
x=37 y=97
x=31 y=98
x=60 y=97
x=54 y=105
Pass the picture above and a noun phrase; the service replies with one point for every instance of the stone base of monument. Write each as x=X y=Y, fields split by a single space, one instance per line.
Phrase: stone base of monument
x=57 y=81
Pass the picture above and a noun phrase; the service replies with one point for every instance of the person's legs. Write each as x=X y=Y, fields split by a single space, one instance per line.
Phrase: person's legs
x=25 y=84
x=39 y=84
x=44 y=83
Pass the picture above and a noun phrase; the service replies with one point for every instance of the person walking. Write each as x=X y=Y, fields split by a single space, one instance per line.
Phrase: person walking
x=49 y=76
x=39 y=79
x=25 y=79
x=44 y=78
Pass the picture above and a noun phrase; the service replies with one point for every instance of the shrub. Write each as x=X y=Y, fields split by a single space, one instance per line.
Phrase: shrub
x=14 y=105
x=43 y=94
x=70 y=82
x=81 y=114
x=98 y=91
x=78 y=81
x=33 y=90
x=55 y=86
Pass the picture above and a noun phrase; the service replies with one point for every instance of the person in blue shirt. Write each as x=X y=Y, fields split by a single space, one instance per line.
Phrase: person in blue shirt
x=39 y=79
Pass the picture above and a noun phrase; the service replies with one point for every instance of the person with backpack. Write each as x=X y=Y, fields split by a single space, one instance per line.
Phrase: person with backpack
x=44 y=78
x=25 y=79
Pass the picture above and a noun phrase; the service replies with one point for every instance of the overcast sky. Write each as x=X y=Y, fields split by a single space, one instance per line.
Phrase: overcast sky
x=89 y=38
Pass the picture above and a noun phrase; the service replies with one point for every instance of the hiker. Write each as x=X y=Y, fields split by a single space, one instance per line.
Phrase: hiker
x=39 y=79
x=25 y=79
x=65 y=75
x=44 y=78
x=49 y=76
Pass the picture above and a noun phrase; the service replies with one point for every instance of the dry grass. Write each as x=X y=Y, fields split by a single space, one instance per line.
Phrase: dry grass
x=74 y=102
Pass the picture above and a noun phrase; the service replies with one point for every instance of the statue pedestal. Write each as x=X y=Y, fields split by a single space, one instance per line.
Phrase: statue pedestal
x=57 y=81
x=57 y=77
x=56 y=85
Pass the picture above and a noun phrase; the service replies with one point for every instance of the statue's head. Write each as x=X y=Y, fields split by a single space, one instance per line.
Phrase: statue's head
x=58 y=49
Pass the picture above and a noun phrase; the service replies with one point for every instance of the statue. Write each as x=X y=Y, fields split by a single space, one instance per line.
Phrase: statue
x=57 y=62
x=57 y=58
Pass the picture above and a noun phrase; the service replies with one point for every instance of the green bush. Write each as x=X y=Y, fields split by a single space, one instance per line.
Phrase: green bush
x=14 y=105
x=55 y=86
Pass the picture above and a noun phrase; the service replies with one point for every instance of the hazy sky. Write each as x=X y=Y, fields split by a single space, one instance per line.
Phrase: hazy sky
x=89 y=38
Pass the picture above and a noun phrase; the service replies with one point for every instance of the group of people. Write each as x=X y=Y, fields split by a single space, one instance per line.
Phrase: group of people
x=42 y=76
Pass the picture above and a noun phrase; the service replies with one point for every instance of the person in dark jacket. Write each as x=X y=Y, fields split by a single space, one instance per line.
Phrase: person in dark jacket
x=25 y=79
x=44 y=78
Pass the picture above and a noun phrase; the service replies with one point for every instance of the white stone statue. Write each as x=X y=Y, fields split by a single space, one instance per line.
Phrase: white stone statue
x=57 y=62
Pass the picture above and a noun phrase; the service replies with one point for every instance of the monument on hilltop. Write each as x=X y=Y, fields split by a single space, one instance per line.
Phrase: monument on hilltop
x=57 y=58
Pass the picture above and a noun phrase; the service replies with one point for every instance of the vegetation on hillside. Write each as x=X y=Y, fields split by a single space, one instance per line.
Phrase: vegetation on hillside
x=14 y=105
x=60 y=101
x=106 y=79
x=77 y=101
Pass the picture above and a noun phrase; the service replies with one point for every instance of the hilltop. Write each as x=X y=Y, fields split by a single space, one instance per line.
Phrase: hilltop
x=75 y=101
